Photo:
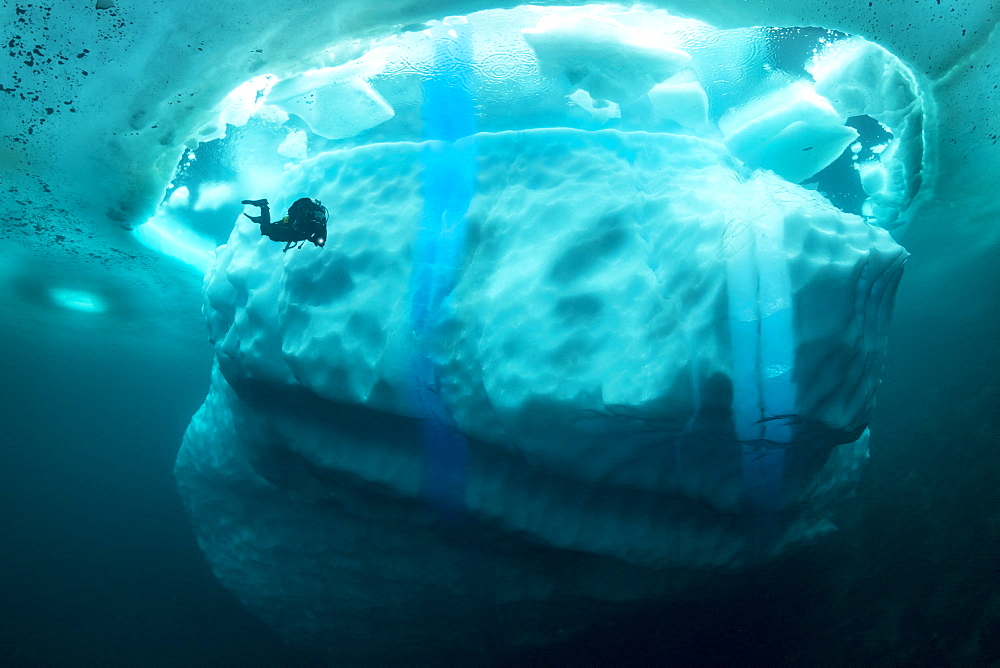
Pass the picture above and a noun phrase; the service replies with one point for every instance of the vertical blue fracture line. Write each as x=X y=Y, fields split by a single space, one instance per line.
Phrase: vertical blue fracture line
x=449 y=173
x=762 y=335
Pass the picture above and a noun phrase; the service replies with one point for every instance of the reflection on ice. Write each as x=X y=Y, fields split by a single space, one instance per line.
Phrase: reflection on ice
x=77 y=300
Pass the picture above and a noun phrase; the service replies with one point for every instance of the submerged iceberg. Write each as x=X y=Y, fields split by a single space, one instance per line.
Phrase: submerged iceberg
x=545 y=365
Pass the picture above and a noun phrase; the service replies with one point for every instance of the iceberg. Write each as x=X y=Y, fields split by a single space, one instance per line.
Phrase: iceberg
x=536 y=372
x=104 y=103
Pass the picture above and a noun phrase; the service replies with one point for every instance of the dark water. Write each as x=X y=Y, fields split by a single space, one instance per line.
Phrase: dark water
x=99 y=565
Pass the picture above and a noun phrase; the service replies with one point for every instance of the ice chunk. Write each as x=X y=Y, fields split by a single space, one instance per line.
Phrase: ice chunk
x=179 y=198
x=682 y=100
x=862 y=78
x=603 y=57
x=332 y=108
x=294 y=145
x=793 y=132
x=873 y=177
x=601 y=110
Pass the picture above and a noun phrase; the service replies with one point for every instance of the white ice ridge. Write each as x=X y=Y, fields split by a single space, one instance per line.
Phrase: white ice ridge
x=592 y=352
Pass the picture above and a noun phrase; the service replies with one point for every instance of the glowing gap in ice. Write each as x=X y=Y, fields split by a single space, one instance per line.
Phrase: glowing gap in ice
x=165 y=235
x=77 y=300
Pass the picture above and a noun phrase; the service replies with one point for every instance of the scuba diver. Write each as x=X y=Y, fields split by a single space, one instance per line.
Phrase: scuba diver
x=306 y=221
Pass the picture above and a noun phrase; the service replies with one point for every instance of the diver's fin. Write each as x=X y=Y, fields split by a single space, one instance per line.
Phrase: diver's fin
x=255 y=202
x=256 y=219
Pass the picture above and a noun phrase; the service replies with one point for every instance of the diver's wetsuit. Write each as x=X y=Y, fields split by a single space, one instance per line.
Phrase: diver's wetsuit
x=275 y=231
x=264 y=219
x=306 y=221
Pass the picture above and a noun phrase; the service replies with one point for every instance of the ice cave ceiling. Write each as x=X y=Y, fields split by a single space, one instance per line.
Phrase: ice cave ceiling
x=98 y=104
x=115 y=93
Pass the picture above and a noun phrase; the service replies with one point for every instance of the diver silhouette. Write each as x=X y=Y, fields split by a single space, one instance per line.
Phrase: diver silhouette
x=305 y=221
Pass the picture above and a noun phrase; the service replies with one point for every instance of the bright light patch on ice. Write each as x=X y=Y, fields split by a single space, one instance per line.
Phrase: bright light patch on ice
x=179 y=198
x=211 y=196
x=163 y=234
x=609 y=60
x=77 y=300
x=237 y=107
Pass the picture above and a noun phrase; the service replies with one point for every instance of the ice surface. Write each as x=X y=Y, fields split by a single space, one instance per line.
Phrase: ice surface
x=135 y=144
x=681 y=99
x=634 y=327
x=793 y=132
x=146 y=84
x=333 y=109
x=603 y=57
x=861 y=78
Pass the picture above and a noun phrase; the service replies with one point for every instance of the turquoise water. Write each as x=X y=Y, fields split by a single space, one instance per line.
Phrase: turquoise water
x=99 y=565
